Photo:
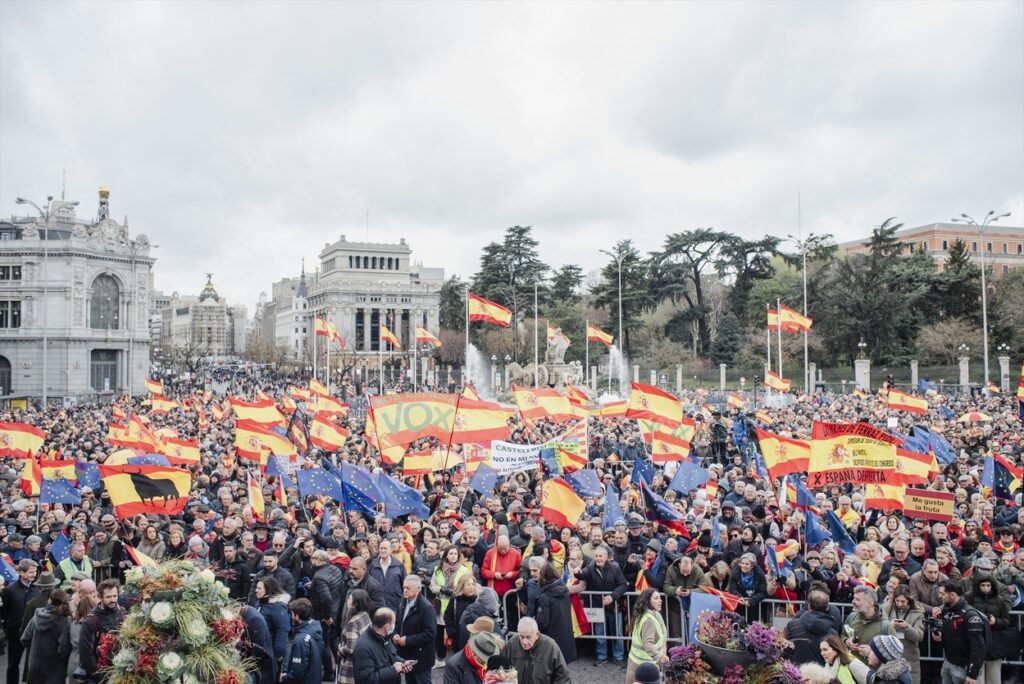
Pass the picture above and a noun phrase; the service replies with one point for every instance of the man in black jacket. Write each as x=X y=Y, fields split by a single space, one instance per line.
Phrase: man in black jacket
x=106 y=617
x=963 y=635
x=359 y=578
x=604 y=575
x=237 y=572
x=15 y=597
x=374 y=660
x=809 y=628
x=325 y=595
x=415 y=630
x=271 y=569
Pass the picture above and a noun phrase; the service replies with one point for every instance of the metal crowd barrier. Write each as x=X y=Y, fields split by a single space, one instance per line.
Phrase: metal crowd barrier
x=773 y=611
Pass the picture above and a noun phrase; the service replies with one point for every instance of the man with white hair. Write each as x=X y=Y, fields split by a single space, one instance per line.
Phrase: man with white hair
x=415 y=630
x=536 y=656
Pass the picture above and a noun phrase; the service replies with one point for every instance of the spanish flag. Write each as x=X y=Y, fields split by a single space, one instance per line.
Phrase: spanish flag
x=571 y=449
x=651 y=403
x=255 y=442
x=595 y=334
x=729 y=601
x=262 y=411
x=297 y=433
x=20 y=440
x=574 y=392
x=469 y=392
x=773 y=320
x=792 y=321
x=764 y=417
x=423 y=336
x=611 y=409
x=389 y=337
x=326 y=434
x=561 y=505
x=906 y=402
x=322 y=403
x=663 y=452
x=783 y=455
x=535 y=404
x=480 y=421
x=736 y=401
x=218 y=412
x=154 y=386
x=884 y=497
x=859 y=393
x=140 y=559
x=145 y=489
x=117 y=413
x=417 y=463
x=776 y=382
x=473 y=455
x=400 y=419
x=181 y=452
x=317 y=388
x=31 y=478
x=325 y=328
x=280 y=495
x=256 y=504
x=298 y=393
x=161 y=405
x=486 y=311
x=141 y=437
x=851 y=453
x=671 y=444
x=912 y=467
x=203 y=423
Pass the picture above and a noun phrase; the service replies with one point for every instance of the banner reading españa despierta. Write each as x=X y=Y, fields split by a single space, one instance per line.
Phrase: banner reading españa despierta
x=855 y=453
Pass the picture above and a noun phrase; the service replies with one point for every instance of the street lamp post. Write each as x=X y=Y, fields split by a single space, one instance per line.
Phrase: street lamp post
x=989 y=219
x=51 y=206
x=802 y=245
x=618 y=262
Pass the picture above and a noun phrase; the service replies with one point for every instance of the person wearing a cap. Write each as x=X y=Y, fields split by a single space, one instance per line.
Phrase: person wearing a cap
x=535 y=656
x=469 y=666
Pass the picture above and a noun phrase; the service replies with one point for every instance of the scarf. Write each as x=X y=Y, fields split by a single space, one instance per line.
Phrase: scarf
x=479 y=668
x=747 y=580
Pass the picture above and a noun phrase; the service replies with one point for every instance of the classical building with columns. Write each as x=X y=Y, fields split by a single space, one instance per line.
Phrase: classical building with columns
x=74 y=303
x=365 y=284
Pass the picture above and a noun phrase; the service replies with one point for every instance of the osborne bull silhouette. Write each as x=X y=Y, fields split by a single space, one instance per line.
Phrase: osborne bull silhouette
x=152 y=488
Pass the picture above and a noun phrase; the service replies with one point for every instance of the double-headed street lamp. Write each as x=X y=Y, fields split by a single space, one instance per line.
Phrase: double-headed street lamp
x=989 y=219
x=51 y=207
x=618 y=261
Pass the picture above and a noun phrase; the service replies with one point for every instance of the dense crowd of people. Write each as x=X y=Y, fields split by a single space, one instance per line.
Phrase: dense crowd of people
x=488 y=590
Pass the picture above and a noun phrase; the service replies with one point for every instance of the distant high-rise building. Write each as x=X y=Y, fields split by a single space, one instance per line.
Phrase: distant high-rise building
x=205 y=326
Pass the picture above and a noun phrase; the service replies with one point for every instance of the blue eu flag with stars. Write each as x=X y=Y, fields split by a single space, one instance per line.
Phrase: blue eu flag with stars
x=400 y=499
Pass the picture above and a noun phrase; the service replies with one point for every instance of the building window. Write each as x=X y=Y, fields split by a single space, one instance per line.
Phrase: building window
x=974 y=246
x=10 y=314
x=366 y=262
x=103 y=370
x=5 y=376
x=911 y=245
x=1006 y=248
x=945 y=245
x=1020 y=248
x=373 y=263
x=988 y=247
x=924 y=245
x=106 y=304
x=10 y=272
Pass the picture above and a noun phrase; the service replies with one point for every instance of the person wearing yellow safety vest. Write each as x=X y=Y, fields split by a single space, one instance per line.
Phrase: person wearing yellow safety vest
x=76 y=561
x=649 y=635
x=442 y=588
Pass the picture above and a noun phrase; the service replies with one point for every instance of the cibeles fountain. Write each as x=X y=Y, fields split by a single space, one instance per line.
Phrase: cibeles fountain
x=553 y=372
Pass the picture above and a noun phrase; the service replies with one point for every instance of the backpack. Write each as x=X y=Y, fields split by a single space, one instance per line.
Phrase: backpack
x=984 y=620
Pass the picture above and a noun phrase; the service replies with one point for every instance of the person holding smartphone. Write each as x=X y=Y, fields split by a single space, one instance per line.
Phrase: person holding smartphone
x=907 y=620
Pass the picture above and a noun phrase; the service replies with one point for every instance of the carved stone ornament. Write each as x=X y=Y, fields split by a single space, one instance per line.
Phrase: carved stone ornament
x=30 y=232
x=77 y=364
x=79 y=231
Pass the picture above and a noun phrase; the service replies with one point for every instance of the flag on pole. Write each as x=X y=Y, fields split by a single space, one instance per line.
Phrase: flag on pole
x=783 y=455
x=145 y=489
x=387 y=336
x=612 y=509
x=423 y=336
x=906 y=402
x=653 y=404
x=20 y=440
x=773 y=320
x=561 y=505
x=595 y=334
x=138 y=557
x=791 y=321
x=658 y=510
x=154 y=386
x=486 y=311
x=776 y=382
x=256 y=503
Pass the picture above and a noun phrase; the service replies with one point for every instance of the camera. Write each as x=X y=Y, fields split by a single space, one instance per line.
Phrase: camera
x=932 y=624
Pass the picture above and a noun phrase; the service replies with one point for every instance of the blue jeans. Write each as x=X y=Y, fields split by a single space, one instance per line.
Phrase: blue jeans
x=614 y=629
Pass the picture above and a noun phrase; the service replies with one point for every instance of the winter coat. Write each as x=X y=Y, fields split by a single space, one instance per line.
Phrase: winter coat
x=325 y=592
x=14 y=599
x=354 y=628
x=554 y=617
x=469 y=616
x=419 y=628
x=806 y=631
x=758 y=592
x=48 y=642
x=445 y=588
x=305 y=663
x=257 y=633
x=391 y=580
x=893 y=672
x=458 y=670
x=998 y=607
x=237 y=580
x=542 y=664
x=98 y=622
x=609 y=579
x=73 y=660
x=371 y=587
x=373 y=660
x=925 y=593
x=279 y=623
x=453 y=615
x=283 y=577
x=912 y=635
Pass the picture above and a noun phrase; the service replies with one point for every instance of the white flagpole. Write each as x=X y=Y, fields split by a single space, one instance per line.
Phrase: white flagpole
x=314 y=348
x=414 y=360
x=465 y=364
x=778 y=304
x=536 y=340
x=586 y=343
x=768 y=344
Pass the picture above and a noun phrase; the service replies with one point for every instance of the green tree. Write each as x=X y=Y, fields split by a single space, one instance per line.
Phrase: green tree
x=727 y=340
x=747 y=261
x=1005 y=312
x=959 y=284
x=452 y=308
x=636 y=295
x=566 y=283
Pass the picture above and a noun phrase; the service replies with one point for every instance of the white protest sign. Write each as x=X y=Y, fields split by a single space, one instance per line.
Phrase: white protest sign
x=509 y=458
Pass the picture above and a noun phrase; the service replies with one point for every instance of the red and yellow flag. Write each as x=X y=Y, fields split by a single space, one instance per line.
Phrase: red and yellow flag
x=470 y=392
x=181 y=452
x=764 y=417
x=317 y=388
x=256 y=504
x=537 y=404
x=486 y=311
x=480 y=421
x=783 y=455
x=611 y=409
x=773 y=320
x=423 y=336
x=776 y=382
x=154 y=386
x=856 y=453
x=389 y=337
x=595 y=334
x=729 y=601
x=161 y=405
x=736 y=401
x=561 y=505
x=20 y=440
x=574 y=392
x=326 y=434
x=263 y=411
x=906 y=402
x=859 y=393
x=650 y=403
x=145 y=489
x=255 y=442
x=400 y=419
x=322 y=403
x=913 y=468
x=139 y=558
x=792 y=321
x=671 y=444
x=417 y=463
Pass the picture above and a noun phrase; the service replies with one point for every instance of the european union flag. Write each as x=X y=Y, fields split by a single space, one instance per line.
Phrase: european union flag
x=701 y=603
x=401 y=499
x=149 y=459
x=10 y=575
x=658 y=510
x=783 y=570
x=943 y=450
x=360 y=492
x=612 y=510
x=688 y=476
x=88 y=475
x=584 y=482
x=839 y=532
x=549 y=465
x=319 y=482
x=804 y=496
x=59 y=491
x=926 y=386
x=643 y=471
x=816 y=534
x=275 y=468
x=946 y=413
x=484 y=480
x=998 y=478
x=61 y=548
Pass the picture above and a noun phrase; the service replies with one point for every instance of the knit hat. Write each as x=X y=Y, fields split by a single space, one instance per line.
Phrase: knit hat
x=647 y=673
x=886 y=647
x=488 y=599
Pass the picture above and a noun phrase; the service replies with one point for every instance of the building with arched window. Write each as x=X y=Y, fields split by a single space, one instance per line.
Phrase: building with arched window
x=80 y=289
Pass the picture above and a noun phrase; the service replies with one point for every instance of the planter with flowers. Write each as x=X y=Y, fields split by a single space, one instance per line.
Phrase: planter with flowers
x=728 y=650
x=182 y=629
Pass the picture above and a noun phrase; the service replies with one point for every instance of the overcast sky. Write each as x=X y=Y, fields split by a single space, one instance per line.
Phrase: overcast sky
x=242 y=137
